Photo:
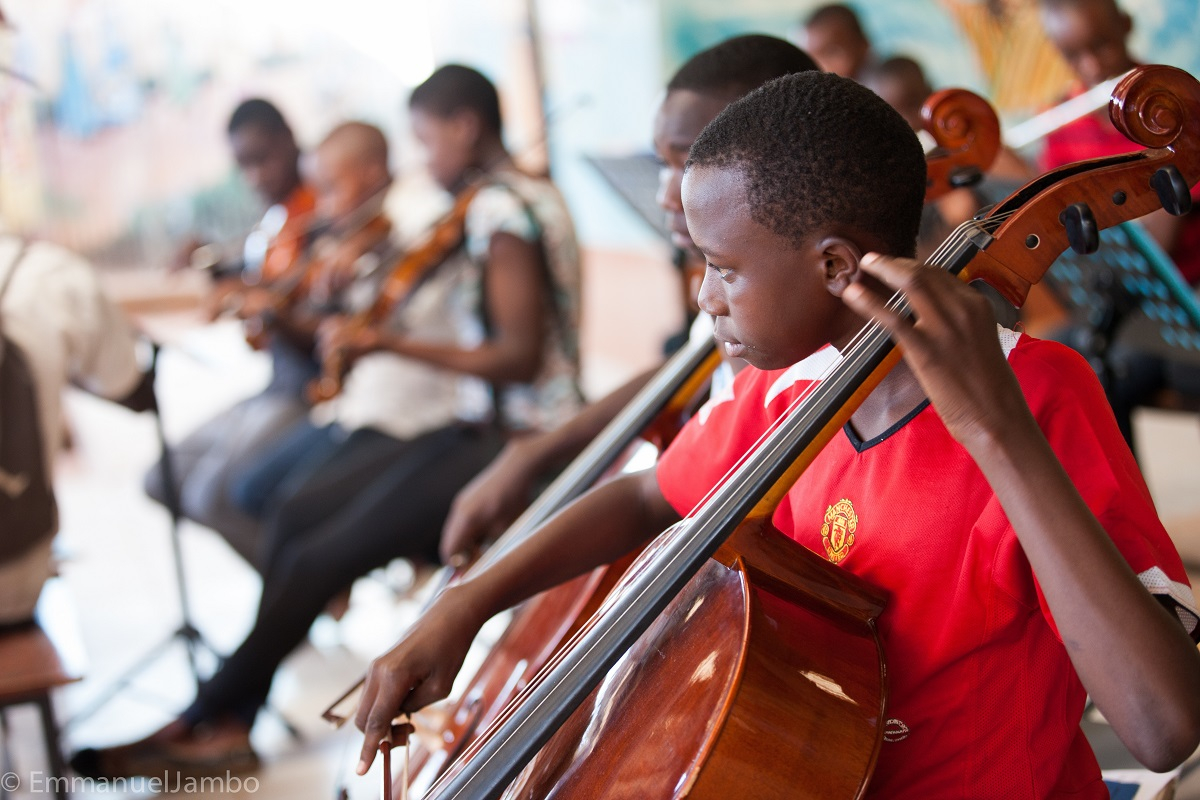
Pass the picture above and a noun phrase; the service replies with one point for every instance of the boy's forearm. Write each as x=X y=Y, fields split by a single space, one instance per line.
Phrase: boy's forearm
x=598 y=528
x=1133 y=657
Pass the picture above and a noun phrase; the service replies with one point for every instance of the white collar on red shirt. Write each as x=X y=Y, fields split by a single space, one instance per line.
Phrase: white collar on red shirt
x=818 y=365
x=813 y=368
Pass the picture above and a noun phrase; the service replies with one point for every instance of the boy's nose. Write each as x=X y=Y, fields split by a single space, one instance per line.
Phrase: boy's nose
x=711 y=299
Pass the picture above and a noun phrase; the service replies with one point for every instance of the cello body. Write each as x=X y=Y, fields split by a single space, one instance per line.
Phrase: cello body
x=769 y=656
x=538 y=628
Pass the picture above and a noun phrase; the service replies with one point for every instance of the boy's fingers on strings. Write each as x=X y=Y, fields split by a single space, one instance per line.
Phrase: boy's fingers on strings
x=942 y=304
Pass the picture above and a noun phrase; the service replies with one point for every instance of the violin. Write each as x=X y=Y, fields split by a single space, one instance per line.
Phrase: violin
x=967 y=133
x=794 y=706
x=404 y=276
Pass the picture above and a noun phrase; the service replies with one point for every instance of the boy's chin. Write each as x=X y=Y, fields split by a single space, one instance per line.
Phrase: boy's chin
x=764 y=362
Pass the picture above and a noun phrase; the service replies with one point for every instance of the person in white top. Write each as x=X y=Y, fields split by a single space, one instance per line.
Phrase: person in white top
x=701 y=88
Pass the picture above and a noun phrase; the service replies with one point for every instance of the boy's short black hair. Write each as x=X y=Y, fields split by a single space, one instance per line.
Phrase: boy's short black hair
x=839 y=14
x=737 y=65
x=817 y=149
x=260 y=113
x=453 y=88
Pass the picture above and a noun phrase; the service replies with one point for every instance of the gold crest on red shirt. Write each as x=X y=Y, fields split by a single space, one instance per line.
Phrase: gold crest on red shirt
x=837 y=532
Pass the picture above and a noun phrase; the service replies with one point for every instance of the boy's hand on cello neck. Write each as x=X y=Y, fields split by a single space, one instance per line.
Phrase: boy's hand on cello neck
x=1132 y=656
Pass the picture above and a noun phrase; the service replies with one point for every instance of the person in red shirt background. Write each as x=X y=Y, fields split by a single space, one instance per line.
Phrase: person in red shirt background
x=1092 y=36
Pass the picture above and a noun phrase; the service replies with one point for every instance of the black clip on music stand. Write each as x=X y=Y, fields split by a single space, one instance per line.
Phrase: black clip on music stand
x=1127 y=292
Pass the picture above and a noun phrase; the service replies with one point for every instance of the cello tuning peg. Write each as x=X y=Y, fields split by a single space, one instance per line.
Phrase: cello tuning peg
x=983 y=211
x=1082 y=233
x=1172 y=190
x=965 y=176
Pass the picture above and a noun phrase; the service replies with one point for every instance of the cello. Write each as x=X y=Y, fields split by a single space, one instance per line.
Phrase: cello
x=824 y=705
x=967 y=132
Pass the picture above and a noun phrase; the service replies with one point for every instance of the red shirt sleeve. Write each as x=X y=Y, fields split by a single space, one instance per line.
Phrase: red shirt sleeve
x=1071 y=409
x=729 y=425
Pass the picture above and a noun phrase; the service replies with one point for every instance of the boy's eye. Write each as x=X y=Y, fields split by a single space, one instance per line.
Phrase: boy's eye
x=724 y=273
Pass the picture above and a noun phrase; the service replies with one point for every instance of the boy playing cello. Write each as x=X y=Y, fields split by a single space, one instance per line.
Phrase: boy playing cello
x=1041 y=554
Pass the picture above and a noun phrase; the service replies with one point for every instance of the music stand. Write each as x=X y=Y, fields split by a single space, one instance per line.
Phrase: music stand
x=635 y=180
x=187 y=632
x=1129 y=293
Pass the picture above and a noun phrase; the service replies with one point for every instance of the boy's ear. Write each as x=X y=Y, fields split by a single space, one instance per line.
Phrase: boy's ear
x=839 y=259
x=1126 y=24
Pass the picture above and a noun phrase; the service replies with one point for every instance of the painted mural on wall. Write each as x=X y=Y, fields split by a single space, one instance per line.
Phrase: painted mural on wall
x=119 y=151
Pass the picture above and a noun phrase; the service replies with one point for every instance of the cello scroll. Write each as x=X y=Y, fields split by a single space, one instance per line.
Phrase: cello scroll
x=1157 y=107
x=967 y=133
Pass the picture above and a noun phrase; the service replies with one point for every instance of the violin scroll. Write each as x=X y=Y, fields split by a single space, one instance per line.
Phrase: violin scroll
x=967 y=133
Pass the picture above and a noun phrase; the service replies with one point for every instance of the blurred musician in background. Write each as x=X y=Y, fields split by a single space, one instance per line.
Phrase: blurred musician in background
x=494 y=322
x=702 y=87
x=833 y=35
x=901 y=82
x=268 y=158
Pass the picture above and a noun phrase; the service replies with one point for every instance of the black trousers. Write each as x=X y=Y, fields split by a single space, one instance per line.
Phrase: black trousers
x=368 y=500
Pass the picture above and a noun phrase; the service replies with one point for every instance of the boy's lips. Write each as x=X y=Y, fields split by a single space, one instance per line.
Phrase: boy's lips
x=732 y=347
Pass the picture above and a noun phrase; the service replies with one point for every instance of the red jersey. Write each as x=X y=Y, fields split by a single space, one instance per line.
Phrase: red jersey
x=1093 y=136
x=983 y=699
